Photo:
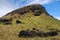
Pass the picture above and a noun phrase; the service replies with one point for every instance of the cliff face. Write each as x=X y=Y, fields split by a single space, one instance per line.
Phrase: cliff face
x=29 y=8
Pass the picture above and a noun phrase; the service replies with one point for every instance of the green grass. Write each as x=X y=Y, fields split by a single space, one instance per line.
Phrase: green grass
x=10 y=32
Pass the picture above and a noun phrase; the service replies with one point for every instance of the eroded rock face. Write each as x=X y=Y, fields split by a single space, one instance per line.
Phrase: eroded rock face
x=37 y=13
x=34 y=32
x=24 y=33
x=37 y=10
x=6 y=21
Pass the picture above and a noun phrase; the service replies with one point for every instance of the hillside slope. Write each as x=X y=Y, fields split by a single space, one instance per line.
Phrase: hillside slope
x=32 y=16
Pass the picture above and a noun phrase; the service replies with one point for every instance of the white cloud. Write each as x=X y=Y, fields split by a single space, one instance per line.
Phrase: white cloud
x=5 y=7
x=57 y=18
x=40 y=2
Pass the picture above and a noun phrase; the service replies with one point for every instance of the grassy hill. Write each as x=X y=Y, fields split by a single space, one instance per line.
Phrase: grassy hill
x=32 y=16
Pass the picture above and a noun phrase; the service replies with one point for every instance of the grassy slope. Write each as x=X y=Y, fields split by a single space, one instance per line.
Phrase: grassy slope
x=10 y=32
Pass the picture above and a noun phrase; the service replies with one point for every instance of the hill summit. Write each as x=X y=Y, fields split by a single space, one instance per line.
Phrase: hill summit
x=36 y=10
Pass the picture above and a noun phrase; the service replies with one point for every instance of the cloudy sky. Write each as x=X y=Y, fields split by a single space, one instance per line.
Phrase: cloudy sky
x=52 y=6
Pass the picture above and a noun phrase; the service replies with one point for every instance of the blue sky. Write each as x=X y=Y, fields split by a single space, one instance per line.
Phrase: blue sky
x=52 y=6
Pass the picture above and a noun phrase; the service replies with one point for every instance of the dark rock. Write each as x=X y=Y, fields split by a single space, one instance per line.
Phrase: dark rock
x=53 y=33
x=17 y=21
x=47 y=34
x=37 y=30
x=34 y=29
x=40 y=34
x=6 y=21
x=33 y=33
x=21 y=11
x=27 y=33
x=37 y=12
x=34 y=8
x=24 y=33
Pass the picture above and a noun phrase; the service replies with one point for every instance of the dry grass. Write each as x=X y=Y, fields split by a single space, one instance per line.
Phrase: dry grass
x=29 y=21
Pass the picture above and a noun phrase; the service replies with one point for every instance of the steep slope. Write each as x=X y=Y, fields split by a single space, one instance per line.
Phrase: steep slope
x=32 y=16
